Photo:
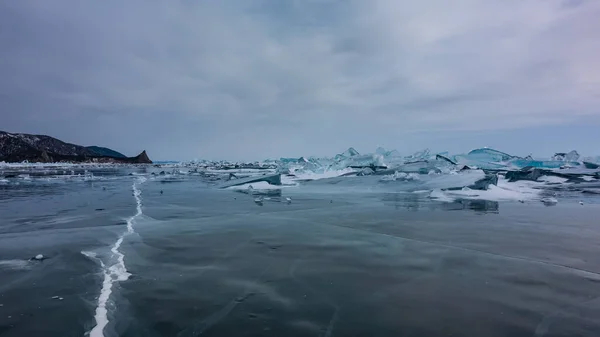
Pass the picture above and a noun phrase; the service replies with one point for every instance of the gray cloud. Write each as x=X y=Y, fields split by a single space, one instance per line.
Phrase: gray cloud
x=260 y=79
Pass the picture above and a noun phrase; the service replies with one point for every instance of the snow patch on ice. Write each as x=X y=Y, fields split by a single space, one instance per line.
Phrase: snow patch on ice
x=552 y=179
x=504 y=191
x=401 y=176
x=308 y=175
x=14 y=264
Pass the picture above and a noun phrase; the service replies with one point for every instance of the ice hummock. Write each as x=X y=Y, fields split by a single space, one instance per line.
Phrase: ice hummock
x=481 y=173
x=484 y=173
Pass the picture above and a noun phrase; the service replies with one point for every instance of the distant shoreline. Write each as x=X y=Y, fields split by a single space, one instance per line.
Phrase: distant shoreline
x=21 y=147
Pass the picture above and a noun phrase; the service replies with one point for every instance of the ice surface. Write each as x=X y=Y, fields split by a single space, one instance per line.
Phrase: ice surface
x=116 y=272
x=552 y=179
x=14 y=264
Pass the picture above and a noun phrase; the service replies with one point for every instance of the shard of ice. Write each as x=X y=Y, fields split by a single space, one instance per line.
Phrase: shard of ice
x=473 y=179
x=464 y=160
x=571 y=156
x=272 y=179
x=526 y=174
x=381 y=151
x=484 y=158
x=490 y=155
x=351 y=152
x=420 y=155
x=351 y=159
x=444 y=158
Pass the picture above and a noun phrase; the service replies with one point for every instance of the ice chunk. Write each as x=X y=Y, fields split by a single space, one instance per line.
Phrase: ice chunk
x=400 y=176
x=373 y=161
x=444 y=158
x=38 y=257
x=321 y=174
x=420 y=155
x=421 y=166
x=594 y=160
x=274 y=179
x=351 y=152
x=293 y=160
x=454 y=181
x=490 y=155
x=367 y=171
x=571 y=156
x=493 y=193
x=485 y=183
x=465 y=160
x=385 y=153
x=549 y=201
x=381 y=151
x=438 y=165
x=299 y=165
x=525 y=174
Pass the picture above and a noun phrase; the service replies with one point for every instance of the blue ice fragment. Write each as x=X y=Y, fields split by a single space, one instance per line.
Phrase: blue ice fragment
x=490 y=155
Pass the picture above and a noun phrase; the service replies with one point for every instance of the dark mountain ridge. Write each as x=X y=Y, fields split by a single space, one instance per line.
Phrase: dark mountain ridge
x=18 y=147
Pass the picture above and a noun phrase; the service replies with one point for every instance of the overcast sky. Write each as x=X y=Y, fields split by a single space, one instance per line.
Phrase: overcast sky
x=262 y=79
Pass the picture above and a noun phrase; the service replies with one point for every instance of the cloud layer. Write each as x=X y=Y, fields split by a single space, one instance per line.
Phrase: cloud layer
x=256 y=79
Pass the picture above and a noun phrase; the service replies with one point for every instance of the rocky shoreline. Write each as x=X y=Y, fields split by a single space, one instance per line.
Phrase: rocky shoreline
x=20 y=147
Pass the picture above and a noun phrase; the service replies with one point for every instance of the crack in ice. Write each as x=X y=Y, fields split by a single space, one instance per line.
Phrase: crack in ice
x=116 y=272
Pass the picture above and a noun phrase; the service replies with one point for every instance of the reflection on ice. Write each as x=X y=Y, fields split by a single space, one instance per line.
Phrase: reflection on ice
x=477 y=205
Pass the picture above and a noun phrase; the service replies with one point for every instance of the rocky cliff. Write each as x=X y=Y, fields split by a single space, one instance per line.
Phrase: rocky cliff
x=18 y=147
